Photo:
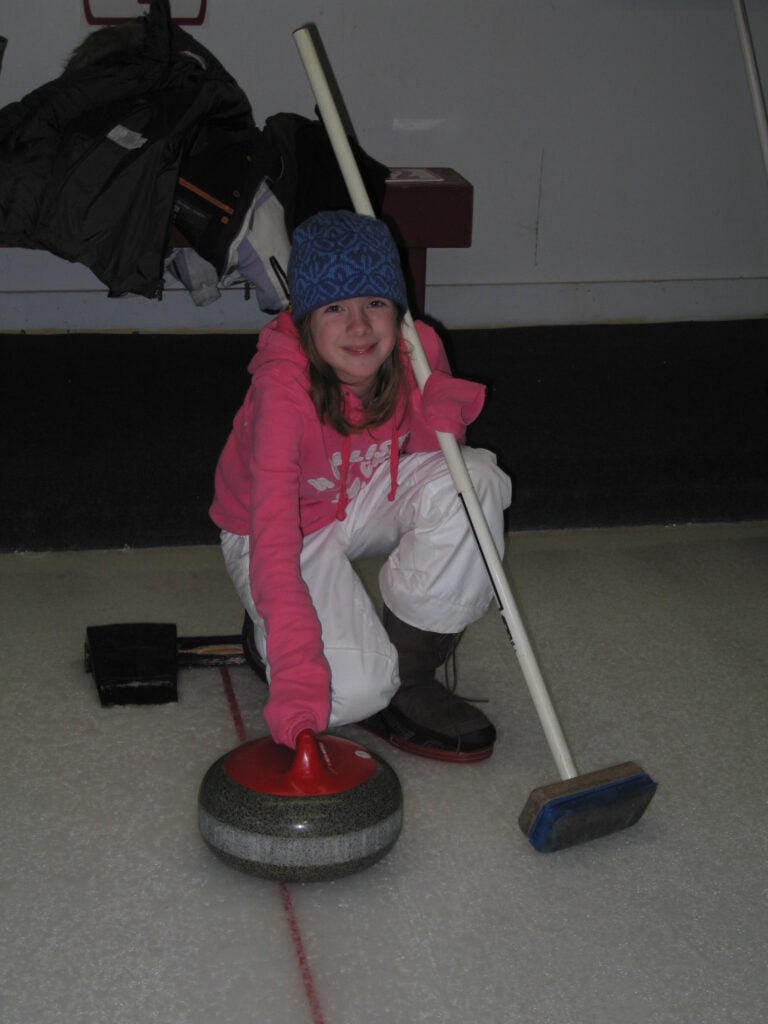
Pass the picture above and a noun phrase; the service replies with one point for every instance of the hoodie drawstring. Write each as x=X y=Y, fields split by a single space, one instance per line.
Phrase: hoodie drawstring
x=394 y=461
x=346 y=446
x=346 y=450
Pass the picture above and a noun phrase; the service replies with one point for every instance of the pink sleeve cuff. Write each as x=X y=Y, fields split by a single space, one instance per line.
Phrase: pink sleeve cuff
x=449 y=404
x=286 y=719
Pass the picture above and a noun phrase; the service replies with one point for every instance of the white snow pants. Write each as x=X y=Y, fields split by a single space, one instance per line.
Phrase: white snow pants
x=434 y=577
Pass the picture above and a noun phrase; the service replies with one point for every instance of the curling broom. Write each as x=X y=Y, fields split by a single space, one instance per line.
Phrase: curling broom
x=579 y=807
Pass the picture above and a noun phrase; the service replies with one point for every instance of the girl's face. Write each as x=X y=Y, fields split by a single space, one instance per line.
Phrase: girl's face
x=355 y=336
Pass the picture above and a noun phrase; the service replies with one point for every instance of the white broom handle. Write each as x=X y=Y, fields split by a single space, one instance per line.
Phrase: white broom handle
x=448 y=443
x=753 y=76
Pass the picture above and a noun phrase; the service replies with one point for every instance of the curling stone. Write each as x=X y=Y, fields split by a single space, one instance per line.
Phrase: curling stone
x=328 y=809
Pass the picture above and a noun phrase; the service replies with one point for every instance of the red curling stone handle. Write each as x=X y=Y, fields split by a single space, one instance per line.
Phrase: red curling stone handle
x=320 y=765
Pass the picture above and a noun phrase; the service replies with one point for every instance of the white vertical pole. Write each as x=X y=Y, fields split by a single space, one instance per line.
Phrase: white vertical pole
x=753 y=76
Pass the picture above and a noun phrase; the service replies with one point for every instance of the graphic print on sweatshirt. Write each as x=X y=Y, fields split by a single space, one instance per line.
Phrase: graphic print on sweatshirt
x=363 y=463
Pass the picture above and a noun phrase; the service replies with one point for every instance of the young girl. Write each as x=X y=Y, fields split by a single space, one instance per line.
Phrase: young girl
x=333 y=457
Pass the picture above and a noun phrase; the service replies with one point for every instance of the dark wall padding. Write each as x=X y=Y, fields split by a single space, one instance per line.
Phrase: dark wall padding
x=112 y=440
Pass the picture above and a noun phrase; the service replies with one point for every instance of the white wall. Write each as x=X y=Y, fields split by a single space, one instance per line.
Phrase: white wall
x=611 y=143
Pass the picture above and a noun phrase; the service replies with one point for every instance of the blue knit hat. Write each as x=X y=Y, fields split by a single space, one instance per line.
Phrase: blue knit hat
x=341 y=255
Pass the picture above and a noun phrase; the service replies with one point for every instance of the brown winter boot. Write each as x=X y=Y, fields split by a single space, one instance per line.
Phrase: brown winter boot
x=425 y=717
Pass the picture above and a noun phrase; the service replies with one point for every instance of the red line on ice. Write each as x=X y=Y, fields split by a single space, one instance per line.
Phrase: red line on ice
x=234 y=707
x=285 y=895
x=298 y=946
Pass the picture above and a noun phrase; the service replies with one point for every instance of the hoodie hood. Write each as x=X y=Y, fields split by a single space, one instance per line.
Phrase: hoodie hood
x=279 y=343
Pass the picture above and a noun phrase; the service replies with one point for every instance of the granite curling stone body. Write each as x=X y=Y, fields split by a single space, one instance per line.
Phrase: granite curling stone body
x=329 y=809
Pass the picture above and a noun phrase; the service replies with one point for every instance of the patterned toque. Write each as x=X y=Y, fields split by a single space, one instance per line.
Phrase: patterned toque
x=341 y=255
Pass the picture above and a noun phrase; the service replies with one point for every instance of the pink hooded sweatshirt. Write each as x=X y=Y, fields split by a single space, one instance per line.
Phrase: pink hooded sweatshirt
x=284 y=474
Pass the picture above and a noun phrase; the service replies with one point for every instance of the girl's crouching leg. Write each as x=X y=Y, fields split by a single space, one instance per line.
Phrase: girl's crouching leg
x=362 y=683
x=436 y=578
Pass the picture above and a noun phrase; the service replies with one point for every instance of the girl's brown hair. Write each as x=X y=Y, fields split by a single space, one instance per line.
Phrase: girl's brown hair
x=325 y=387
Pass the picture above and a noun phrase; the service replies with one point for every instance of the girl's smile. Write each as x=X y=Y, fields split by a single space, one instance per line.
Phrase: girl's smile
x=354 y=337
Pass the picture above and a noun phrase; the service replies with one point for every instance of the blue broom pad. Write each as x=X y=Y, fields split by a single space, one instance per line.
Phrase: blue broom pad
x=591 y=813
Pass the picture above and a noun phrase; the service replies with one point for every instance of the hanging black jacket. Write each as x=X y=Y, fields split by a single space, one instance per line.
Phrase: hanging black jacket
x=89 y=163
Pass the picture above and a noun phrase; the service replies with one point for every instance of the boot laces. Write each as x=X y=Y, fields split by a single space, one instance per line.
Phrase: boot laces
x=450 y=678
